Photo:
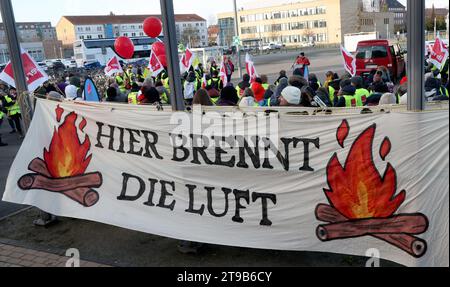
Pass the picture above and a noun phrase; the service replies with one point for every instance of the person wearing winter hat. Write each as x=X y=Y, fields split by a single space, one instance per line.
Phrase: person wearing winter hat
x=388 y=99
x=258 y=90
x=290 y=96
x=298 y=82
x=73 y=90
x=228 y=97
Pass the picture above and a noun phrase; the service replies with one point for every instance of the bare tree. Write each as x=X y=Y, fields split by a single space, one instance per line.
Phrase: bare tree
x=191 y=36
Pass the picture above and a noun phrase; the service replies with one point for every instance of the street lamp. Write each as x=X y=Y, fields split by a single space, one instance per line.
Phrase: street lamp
x=236 y=32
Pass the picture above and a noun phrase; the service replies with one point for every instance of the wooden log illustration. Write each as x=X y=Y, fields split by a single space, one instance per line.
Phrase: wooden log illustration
x=78 y=188
x=37 y=181
x=410 y=244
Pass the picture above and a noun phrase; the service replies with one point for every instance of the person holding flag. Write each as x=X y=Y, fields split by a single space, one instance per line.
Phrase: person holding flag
x=302 y=63
x=250 y=66
x=229 y=68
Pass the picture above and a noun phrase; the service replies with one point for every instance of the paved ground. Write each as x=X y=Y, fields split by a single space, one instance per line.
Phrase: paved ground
x=322 y=61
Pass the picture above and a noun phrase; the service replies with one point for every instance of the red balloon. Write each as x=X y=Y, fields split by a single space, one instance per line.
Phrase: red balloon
x=124 y=47
x=159 y=48
x=163 y=60
x=152 y=27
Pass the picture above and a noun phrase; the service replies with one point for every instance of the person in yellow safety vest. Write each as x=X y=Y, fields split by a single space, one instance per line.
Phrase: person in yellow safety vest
x=265 y=81
x=121 y=82
x=13 y=109
x=361 y=94
x=248 y=99
x=347 y=97
x=213 y=67
x=133 y=95
x=215 y=82
x=2 y=115
x=164 y=95
x=199 y=72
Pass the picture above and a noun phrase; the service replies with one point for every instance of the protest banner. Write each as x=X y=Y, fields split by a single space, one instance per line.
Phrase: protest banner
x=113 y=67
x=439 y=54
x=349 y=61
x=340 y=184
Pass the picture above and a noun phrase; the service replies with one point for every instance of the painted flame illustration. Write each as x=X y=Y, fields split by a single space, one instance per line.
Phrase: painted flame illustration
x=357 y=190
x=67 y=156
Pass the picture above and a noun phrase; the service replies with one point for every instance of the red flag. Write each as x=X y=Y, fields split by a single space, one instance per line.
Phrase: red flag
x=439 y=54
x=35 y=76
x=154 y=65
x=251 y=70
x=223 y=75
x=349 y=61
x=186 y=60
x=113 y=66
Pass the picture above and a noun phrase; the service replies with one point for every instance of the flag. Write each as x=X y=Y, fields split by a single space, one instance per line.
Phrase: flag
x=154 y=65
x=113 y=67
x=90 y=91
x=223 y=75
x=196 y=62
x=306 y=72
x=35 y=76
x=439 y=54
x=251 y=70
x=204 y=81
x=349 y=61
x=186 y=60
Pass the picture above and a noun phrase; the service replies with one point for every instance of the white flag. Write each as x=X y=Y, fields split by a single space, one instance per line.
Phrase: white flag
x=113 y=66
x=349 y=61
x=251 y=70
x=154 y=65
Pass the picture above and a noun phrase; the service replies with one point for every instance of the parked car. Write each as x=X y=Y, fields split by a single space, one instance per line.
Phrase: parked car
x=69 y=63
x=43 y=66
x=308 y=44
x=58 y=66
x=269 y=47
x=49 y=63
x=93 y=64
x=375 y=53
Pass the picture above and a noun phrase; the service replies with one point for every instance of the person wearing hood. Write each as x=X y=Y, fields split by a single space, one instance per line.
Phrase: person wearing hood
x=283 y=75
x=307 y=97
x=73 y=90
x=361 y=94
x=314 y=83
x=346 y=96
x=202 y=98
x=258 y=90
x=298 y=82
x=434 y=91
x=244 y=84
x=379 y=89
x=228 y=97
x=323 y=95
x=114 y=96
x=275 y=100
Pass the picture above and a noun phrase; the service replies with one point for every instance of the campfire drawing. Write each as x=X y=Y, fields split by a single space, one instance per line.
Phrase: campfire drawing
x=364 y=203
x=64 y=165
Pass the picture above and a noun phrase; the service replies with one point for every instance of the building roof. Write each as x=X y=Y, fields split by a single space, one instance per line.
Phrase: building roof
x=125 y=19
x=394 y=4
x=440 y=12
x=29 y=24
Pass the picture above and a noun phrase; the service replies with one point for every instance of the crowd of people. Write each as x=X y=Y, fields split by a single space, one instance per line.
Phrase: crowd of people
x=207 y=87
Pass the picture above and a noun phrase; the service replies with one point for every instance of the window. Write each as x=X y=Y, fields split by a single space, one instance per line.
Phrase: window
x=133 y=34
x=99 y=28
x=386 y=21
x=88 y=29
x=125 y=34
x=100 y=36
x=141 y=27
x=371 y=52
x=89 y=37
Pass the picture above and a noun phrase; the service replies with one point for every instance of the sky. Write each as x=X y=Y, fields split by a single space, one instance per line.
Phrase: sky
x=45 y=10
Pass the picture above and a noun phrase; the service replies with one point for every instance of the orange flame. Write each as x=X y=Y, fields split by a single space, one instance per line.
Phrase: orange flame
x=357 y=190
x=67 y=155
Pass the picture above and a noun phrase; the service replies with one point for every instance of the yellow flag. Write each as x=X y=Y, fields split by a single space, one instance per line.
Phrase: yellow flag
x=146 y=70
x=196 y=62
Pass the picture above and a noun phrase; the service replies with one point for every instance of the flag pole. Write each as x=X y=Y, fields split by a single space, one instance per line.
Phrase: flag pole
x=416 y=55
x=16 y=62
x=173 y=62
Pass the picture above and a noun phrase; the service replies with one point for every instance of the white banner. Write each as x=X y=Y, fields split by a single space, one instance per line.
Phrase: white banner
x=347 y=184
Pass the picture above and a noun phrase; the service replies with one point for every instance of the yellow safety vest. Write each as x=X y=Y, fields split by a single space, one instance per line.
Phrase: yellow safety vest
x=132 y=98
x=265 y=86
x=2 y=114
x=350 y=101
x=14 y=109
x=164 y=98
x=166 y=84
x=331 y=91
x=361 y=96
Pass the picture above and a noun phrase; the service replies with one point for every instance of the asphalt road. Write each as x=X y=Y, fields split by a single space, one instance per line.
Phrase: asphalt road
x=322 y=61
x=7 y=155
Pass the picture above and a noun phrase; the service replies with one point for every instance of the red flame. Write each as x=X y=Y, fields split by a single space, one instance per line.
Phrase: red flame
x=59 y=113
x=342 y=132
x=357 y=190
x=385 y=148
x=83 y=125
x=67 y=155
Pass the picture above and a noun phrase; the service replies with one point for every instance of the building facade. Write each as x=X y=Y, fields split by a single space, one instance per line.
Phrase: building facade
x=37 y=38
x=213 y=34
x=399 y=11
x=321 y=21
x=72 y=28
